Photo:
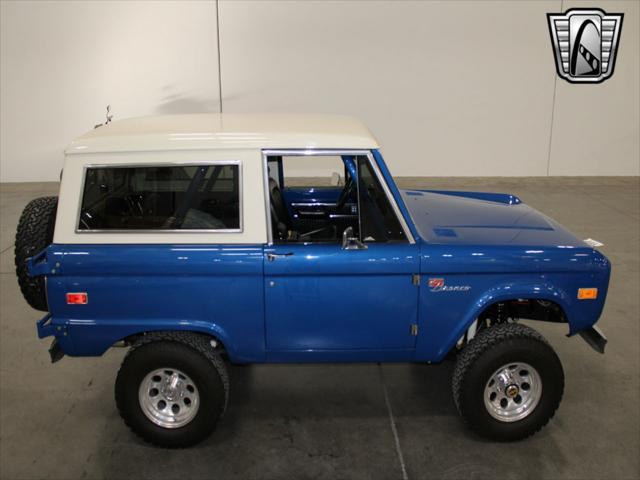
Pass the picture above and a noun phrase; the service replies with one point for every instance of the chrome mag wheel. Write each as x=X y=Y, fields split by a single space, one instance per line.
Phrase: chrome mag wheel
x=169 y=398
x=513 y=392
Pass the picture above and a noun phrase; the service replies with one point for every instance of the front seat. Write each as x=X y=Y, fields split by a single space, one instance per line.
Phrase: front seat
x=280 y=218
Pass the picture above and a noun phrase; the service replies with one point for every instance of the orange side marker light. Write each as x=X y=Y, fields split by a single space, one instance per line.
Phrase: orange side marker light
x=587 y=293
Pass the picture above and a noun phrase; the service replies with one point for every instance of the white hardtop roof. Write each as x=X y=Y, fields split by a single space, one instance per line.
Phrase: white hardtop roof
x=226 y=131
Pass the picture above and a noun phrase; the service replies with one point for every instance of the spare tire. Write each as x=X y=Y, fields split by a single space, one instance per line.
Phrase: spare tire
x=34 y=234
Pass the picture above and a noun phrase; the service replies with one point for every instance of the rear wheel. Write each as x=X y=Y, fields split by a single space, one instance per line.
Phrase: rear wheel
x=508 y=382
x=34 y=233
x=172 y=388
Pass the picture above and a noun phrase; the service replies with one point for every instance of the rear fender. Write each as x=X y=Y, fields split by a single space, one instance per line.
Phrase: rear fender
x=88 y=338
x=131 y=289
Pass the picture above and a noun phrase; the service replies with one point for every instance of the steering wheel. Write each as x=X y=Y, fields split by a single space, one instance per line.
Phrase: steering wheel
x=345 y=194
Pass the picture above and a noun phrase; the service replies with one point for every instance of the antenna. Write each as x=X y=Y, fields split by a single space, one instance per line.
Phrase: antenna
x=109 y=118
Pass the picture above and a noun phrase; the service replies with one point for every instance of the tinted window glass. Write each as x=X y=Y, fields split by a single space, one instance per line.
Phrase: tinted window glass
x=313 y=171
x=202 y=197
x=313 y=198
x=378 y=221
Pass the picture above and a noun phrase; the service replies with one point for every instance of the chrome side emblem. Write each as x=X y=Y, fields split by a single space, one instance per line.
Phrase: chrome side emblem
x=585 y=43
x=438 y=285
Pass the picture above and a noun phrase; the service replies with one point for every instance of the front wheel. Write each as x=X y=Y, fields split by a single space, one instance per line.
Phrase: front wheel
x=508 y=382
x=172 y=388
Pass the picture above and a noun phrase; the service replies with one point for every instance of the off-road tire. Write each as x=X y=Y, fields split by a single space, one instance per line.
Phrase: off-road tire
x=191 y=353
x=34 y=233
x=488 y=351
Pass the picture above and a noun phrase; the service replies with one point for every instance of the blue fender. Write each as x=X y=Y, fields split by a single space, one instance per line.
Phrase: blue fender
x=95 y=338
x=132 y=289
x=505 y=292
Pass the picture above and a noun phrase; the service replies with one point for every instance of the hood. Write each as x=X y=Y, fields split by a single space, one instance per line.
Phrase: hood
x=479 y=218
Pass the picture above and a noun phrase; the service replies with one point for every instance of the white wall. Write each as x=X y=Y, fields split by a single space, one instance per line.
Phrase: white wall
x=597 y=127
x=64 y=61
x=449 y=88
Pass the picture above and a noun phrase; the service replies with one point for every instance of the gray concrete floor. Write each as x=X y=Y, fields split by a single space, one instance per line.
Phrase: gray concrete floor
x=318 y=421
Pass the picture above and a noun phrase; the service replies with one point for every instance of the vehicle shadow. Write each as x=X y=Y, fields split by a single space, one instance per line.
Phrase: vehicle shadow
x=312 y=420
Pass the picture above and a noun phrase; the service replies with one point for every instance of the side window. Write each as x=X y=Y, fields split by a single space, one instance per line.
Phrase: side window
x=317 y=198
x=313 y=171
x=378 y=221
x=312 y=199
x=181 y=197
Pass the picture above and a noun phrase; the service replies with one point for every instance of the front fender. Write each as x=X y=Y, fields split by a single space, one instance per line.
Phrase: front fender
x=506 y=292
x=446 y=316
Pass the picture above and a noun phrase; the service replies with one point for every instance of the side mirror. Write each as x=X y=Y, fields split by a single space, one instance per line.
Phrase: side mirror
x=349 y=242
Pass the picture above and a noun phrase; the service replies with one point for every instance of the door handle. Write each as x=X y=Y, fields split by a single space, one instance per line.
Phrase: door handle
x=272 y=256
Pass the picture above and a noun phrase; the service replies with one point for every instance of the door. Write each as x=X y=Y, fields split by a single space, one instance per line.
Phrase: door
x=351 y=293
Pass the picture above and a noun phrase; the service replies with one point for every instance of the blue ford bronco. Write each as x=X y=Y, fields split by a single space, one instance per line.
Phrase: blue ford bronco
x=202 y=240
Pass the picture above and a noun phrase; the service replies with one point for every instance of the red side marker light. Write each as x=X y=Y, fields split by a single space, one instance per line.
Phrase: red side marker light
x=77 y=298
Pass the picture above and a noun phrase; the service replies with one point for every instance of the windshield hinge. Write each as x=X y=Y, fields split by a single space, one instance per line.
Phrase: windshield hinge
x=414 y=329
x=415 y=279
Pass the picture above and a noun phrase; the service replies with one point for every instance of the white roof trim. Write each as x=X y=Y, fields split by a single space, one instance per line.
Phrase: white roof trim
x=226 y=131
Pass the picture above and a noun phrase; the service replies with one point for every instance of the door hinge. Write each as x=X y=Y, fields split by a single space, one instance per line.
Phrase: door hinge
x=415 y=279
x=414 y=329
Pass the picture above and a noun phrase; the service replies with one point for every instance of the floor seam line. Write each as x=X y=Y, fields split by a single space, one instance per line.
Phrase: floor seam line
x=394 y=429
x=9 y=247
x=628 y=215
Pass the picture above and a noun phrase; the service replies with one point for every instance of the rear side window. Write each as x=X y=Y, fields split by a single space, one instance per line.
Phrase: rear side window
x=177 y=197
